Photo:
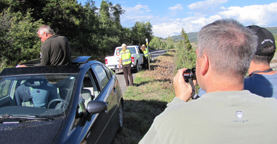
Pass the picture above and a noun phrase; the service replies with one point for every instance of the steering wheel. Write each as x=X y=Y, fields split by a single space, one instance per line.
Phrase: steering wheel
x=55 y=100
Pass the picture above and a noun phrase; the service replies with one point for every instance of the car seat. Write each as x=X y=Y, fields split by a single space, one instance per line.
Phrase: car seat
x=86 y=95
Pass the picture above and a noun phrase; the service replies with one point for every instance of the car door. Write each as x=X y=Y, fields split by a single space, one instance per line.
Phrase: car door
x=87 y=128
x=140 y=53
x=107 y=95
x=96 y=128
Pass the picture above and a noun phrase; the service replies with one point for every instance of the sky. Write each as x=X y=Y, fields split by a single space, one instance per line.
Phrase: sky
x=168 y=17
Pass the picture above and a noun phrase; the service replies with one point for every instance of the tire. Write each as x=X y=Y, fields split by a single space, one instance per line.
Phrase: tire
x=120 y=117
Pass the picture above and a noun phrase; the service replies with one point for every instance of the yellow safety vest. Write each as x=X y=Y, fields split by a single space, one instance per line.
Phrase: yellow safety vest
x=126 y=57
x=145 y=53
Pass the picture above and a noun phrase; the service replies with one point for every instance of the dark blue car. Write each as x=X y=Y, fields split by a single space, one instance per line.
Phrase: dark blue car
x=77 y=103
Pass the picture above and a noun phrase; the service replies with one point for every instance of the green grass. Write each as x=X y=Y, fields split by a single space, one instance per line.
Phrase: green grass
x=148 y=89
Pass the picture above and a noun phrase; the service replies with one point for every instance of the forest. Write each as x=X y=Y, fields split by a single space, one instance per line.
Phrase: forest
x=90 y=30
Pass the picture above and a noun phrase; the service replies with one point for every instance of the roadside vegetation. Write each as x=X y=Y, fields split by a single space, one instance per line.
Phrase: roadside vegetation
x=151 y=92
x=90 y=30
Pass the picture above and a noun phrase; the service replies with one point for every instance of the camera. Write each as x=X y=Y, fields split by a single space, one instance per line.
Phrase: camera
x=189 y=74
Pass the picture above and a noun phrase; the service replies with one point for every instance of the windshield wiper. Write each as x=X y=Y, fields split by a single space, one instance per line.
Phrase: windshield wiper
x=19 y=118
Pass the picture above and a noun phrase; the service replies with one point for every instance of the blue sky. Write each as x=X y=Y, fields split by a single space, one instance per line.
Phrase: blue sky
x=168 y=17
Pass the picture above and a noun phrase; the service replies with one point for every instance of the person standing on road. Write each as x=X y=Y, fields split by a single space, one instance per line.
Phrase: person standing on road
x=55 y=50
x=125 y=60
x=145 y=57
x=262 y=80
x=226 y=114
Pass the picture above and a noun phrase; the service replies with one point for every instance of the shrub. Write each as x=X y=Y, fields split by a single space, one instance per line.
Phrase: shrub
x=18 y=37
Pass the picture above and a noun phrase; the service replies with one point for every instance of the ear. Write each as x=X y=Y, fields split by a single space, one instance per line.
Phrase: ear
x=205 y=64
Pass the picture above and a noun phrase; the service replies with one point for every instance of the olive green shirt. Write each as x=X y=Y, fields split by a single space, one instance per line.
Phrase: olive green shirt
x=231 y=117
x=55 y=51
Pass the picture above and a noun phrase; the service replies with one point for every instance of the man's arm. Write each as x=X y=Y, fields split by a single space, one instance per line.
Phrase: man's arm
x=19 y=66
x=45 y=55
x=120 y=61
x=119 y=65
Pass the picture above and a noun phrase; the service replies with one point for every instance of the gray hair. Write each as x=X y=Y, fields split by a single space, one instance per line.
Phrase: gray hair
x=229 y=45
x=46 y=29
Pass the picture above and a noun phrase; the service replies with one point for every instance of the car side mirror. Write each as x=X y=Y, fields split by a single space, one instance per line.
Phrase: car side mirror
x=94 y=107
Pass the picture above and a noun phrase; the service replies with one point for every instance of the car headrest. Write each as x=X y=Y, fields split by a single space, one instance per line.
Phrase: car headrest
x=32 y=83
x=86 y=94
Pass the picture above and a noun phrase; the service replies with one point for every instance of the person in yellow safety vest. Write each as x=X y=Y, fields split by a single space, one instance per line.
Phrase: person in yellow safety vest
x=145 y=52
x=125 y=60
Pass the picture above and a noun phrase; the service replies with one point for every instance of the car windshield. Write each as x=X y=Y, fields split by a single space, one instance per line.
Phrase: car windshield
x=35 y=95
x=132 y=50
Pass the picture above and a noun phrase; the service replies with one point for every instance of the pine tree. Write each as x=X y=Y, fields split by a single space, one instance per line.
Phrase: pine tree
x=186 y=42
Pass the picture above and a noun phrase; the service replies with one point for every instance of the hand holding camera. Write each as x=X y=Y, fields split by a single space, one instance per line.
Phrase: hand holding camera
x=183 y=90
x=189 y=76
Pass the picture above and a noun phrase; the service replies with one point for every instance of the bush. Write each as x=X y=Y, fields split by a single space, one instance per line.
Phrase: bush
x=184 y=58
x=18 y=37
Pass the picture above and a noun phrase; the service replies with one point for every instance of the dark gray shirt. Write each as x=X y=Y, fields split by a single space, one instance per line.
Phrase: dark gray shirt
x=55 y=51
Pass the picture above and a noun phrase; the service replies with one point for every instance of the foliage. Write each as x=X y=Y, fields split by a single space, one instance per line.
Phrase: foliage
x=170 y=43
x=156 y=43
x=185 y=56
x=186 y=42
x=64 y=16
x=192 y=37
x=3 y=4
x=126 y=36
x=18 y=37
x=141 y=31
x=90 y=30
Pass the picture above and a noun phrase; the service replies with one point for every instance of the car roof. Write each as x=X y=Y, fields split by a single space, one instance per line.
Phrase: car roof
x=40 y=69
x=77 y=63
x=128 y=46
x=74 y=60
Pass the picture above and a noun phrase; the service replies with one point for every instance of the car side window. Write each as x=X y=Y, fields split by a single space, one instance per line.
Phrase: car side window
x=90 y=86
x=89 y=91
x=108 y=71
x=132 y=50
x=4 y=88
x=101 y=74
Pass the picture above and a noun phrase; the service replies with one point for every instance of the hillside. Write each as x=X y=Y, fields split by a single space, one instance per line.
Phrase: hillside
x=193 y=35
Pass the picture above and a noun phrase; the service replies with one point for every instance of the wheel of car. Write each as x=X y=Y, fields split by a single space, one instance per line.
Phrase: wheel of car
x=55 y=100
x=120 y=115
